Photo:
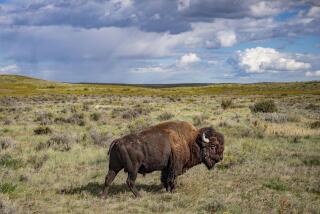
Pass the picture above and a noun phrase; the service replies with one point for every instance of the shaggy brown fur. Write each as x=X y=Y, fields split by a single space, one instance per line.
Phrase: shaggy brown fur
x=171 y=147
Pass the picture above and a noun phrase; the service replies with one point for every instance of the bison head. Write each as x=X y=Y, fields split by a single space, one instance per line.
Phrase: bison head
x=211 y=146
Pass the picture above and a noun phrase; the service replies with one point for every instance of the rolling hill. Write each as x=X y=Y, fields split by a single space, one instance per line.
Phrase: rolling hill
x=14 y=85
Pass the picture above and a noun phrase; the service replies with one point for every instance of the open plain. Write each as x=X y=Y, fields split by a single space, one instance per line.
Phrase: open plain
x=54 y=139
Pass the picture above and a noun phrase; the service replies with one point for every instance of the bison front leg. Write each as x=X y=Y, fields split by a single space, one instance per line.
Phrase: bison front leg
x=131 y=183
x=168 y=179
x=164 y=179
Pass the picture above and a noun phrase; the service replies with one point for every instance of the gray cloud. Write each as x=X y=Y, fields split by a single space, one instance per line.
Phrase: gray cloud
x=81 y=40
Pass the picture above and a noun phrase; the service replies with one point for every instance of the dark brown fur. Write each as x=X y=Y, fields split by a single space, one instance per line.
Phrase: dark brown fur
x=170 y=147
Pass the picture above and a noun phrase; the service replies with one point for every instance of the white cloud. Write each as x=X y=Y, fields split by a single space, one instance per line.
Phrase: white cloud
x=260 y=60
x=314 y=12
x=263 y=9
x=313 y=74
x=227 y=38
x=188 y=59
x=10 y=69
x=144 y=70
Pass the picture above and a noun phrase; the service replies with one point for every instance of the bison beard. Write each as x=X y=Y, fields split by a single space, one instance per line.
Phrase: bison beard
x=170 y=147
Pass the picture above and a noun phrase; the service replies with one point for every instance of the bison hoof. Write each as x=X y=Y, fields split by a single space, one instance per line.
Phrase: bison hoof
x=103 y=195
x=137 y=195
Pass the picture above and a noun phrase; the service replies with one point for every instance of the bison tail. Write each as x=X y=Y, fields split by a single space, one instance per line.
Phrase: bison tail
x=112 y=145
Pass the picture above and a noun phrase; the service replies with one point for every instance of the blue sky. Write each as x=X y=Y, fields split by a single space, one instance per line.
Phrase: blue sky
x=167 y=41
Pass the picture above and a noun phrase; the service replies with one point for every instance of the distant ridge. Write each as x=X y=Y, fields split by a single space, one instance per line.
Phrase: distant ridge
x=17 y=85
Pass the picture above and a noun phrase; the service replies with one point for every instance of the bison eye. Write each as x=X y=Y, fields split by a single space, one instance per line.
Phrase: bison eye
x=213 y=146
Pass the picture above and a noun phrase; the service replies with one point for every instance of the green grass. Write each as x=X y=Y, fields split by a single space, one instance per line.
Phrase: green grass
x=271 y=161
x=13 y=85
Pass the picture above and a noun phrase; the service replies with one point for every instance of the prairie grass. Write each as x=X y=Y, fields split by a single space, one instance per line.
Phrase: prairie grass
x=271 y=160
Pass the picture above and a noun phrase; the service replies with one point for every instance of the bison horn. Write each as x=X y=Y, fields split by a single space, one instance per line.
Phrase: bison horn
x=204 y=139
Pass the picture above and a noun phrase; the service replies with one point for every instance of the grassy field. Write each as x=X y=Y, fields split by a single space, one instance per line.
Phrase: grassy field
x=13 y=85
x=54 y=139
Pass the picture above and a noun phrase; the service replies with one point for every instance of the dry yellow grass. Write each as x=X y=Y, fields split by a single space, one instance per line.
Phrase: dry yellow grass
x=262 y=172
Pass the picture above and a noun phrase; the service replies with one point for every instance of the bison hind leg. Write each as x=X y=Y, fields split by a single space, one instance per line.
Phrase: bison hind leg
x=108 y=180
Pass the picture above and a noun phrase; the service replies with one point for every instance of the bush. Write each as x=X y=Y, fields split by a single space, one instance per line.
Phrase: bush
x=5 y=208
x=199 y=120
x=266 y=106
x=60 y=142
x=95 y=116
x=165 y=116
x=44 y=118
x=117 y=111
x=42 y=131
x=7 y=188
x=276 y=184
x=9 y=162
x=99 y=138
x=139 y=124
x=312 y=107
x=315 y=125
x=275 y=117
x=38 y=161
x=135 y=112
x=77 y=119
x=6 y=142
x=226 y=103
x=7 y=122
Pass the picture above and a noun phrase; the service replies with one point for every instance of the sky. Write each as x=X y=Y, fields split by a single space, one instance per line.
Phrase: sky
x=161 y=41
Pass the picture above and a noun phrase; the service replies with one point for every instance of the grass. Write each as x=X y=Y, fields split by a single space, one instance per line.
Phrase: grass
x=271 y=160
x=14 y=85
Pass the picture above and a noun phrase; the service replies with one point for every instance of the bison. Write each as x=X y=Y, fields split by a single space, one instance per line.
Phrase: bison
x=170 y=147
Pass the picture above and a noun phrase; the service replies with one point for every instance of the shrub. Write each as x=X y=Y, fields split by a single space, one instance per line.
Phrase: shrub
x=165 y=116
x=7 y=122
x=135 y=112
x=315 y=125
x=265 y=106
x=275 y=117
x=5 y=208
x=281 y=118
x=276 y=184
x=199 y=120
x=6 y=188
x=38 y=161
x=6 y=142
x=44 y=118
x=311 y=160
x=42 y=131
x=99 y=138
x=226 y=103
x=77 y=119
x=95 y=116
x=139 y=124
x=312 y=107
x=61 y=142
x=117 y=111
x=9 y=162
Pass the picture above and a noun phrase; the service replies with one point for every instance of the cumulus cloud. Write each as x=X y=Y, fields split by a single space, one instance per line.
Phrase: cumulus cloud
x=10 y=69
x=263 y=9
x=188 y=59
x=227 y=38
x=112 y=38
x=260 y=60
x=314 y=12
x=313 y=74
